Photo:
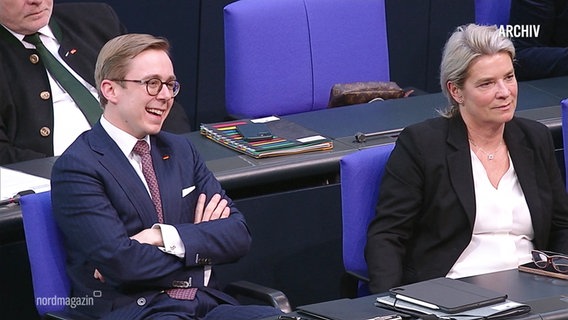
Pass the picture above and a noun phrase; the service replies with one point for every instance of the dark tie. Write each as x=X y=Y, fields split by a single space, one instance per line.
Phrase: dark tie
x=80 y=94
x=142 y=149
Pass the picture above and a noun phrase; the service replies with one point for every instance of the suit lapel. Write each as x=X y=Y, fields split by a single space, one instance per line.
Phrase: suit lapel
x=164 y=166
x=459 y=165
x=523 y=161
x=76 y=58
x=112 y=158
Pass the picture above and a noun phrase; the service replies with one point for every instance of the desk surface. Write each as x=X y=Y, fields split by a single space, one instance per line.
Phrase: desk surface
x=519 y=286
x=538 y=100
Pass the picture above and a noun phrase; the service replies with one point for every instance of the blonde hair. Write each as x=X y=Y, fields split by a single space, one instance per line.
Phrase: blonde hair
x=115 y=56
x=466 y=44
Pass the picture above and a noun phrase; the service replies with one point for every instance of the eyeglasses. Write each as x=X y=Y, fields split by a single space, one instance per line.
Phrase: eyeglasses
x=154 y=85
x=543 y=258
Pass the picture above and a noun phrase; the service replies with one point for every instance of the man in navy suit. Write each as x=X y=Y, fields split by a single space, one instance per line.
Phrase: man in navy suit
x=125 y=248
x=37 y=117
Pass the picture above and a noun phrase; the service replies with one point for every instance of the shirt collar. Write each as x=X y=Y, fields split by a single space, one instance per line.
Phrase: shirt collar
x=124 y=140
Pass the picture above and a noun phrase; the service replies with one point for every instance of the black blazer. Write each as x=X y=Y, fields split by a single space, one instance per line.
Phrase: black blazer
x=26 y=106
x=426 y=207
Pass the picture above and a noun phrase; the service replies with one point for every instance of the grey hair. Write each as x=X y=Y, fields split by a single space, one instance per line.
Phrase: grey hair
x=466 y=44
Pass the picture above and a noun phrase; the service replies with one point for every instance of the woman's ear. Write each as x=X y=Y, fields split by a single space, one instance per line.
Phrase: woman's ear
x=455 y=92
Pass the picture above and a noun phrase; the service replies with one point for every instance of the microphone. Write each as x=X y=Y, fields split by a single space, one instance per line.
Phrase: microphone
x=16 y=198
x=362 y=137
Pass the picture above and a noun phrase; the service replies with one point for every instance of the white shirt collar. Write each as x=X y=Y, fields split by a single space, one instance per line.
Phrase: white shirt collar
x=45 y=31
x=124 y=140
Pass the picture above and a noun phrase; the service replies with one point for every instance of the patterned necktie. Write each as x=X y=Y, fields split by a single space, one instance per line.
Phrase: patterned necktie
x=142 y=149
x=80 y=94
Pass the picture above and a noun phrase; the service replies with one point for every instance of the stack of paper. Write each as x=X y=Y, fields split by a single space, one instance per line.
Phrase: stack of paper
x=12 y=182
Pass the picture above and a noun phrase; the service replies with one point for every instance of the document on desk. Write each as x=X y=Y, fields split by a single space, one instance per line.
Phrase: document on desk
x=12 y=182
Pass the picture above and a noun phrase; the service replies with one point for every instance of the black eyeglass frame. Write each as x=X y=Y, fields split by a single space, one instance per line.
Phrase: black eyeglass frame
x=551 y=259
x=174 y=89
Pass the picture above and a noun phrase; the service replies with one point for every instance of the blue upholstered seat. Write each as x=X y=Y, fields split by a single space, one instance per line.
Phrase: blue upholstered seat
x=361 y=173
x=490 y=12
x=284 y=56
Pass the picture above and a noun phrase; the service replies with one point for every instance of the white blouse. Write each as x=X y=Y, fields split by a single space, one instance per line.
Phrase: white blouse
x=502 y=231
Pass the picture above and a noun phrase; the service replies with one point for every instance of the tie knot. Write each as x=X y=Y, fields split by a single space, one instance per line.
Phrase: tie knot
x=141 y=148
x=33 y=38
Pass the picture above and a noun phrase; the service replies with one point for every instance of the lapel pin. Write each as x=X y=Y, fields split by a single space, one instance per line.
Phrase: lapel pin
x=72 y=51
x=165 y=157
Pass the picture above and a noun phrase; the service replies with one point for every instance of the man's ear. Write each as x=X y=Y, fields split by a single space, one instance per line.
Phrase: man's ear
x=108 y=90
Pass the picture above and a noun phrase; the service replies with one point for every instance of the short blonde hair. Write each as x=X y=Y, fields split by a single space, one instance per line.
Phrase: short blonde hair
x=114 y=58
x=464 y=45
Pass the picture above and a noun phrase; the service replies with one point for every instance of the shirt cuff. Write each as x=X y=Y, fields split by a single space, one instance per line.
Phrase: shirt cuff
x=172 y=241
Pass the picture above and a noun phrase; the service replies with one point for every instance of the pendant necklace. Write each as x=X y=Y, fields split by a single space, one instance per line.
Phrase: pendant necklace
x=490 y=155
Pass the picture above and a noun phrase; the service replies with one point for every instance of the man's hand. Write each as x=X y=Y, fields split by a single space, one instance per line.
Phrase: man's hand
x=149 y=236
x=215 y=209
x=99 y=276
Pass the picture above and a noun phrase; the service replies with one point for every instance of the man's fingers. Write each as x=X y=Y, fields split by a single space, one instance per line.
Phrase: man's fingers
x=199 y=208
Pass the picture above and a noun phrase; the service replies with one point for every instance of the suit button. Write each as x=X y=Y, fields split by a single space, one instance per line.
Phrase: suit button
x=45 y=95
x=141 y=301
x=44 y=131
x=34 y=58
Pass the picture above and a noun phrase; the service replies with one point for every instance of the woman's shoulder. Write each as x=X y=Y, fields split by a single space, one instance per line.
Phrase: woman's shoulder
x=529 y=126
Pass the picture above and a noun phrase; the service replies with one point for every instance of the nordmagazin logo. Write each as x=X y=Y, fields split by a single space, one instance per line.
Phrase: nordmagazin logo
x=519 y=30
x=71 y=302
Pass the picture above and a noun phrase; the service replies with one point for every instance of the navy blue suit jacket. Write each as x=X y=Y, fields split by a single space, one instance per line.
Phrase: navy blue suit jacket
x=426 y=207
x=99 y=202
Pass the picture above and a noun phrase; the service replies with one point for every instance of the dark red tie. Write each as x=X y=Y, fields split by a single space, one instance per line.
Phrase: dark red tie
x=142 y=149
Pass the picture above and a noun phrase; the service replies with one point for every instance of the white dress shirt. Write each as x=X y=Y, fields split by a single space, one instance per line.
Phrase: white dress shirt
x=502 y=232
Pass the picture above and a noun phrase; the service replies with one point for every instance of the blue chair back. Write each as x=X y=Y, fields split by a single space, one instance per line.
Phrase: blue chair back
x=284 y=56
x=46 y=252
x=361 y=173
x=490 y=12
x=564 y=107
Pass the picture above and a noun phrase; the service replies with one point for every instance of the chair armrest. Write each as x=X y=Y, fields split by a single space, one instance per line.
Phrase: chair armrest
x=62 y=315
x=267 y=295
x=359 y=276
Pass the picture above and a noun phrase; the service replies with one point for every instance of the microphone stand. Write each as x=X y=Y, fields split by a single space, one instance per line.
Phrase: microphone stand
x=362 y=137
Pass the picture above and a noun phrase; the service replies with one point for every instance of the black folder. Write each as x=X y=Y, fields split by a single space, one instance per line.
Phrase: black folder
x=347 y=309
x=447 y=295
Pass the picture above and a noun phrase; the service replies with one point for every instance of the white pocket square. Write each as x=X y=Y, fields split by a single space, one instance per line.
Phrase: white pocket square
x=186 y=191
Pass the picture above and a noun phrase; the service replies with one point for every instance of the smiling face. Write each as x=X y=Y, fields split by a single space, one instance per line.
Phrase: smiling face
x=25 y=16
x=130 y=107
x=489 y=93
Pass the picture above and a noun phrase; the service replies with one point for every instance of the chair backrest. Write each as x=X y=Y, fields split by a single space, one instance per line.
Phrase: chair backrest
x=361 y=173
x=46 y=253
x=489 y=12
x=284 y=56
x=564 y=107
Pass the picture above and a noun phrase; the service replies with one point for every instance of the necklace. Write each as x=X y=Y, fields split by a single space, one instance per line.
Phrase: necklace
x=490 y=155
